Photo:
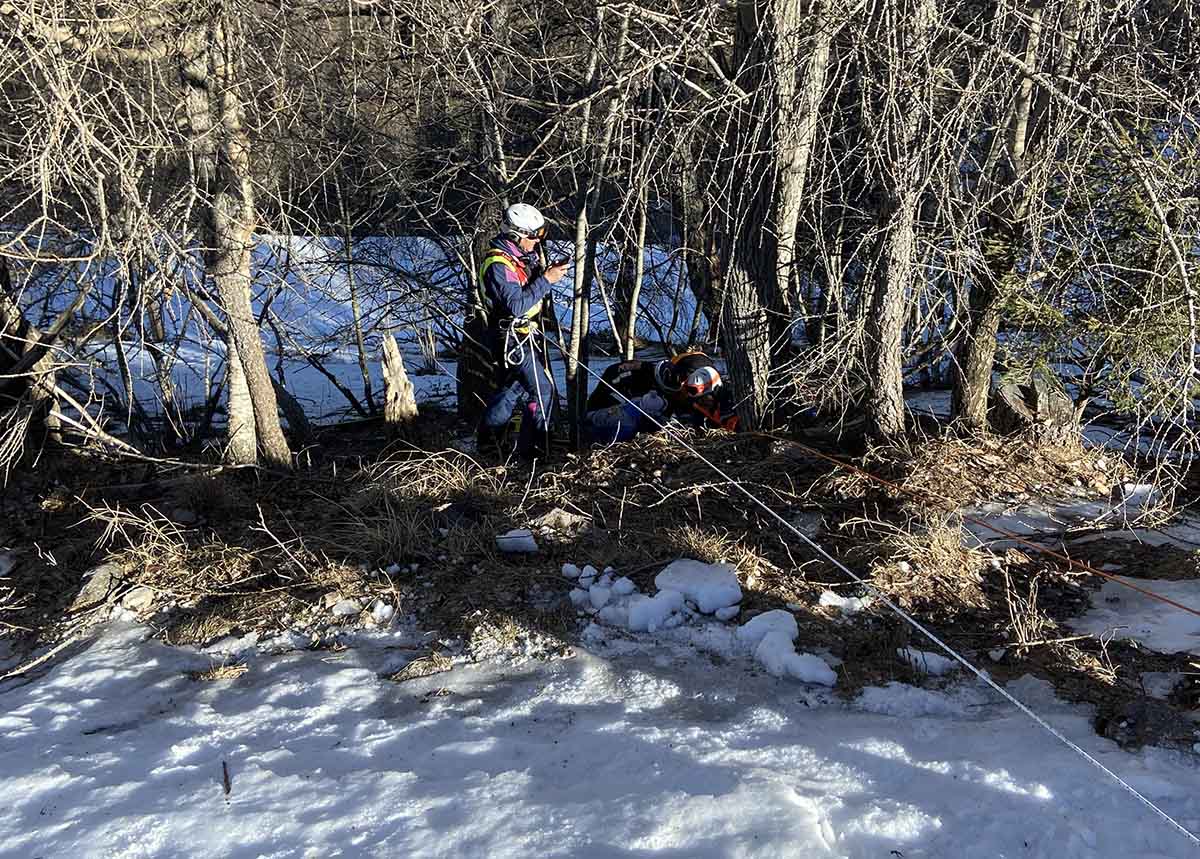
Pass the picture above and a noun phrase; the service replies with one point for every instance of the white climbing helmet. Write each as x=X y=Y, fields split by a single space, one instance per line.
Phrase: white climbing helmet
x=522 y=219
x=701 y=382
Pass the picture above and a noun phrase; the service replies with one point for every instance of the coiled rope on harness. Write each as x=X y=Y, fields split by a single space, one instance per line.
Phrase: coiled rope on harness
x=905 y=616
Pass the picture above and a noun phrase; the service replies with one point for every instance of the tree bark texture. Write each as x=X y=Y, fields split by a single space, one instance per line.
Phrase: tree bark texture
x=227 y=192
x=1003 y=183
x=901 y=185
x=399 y=399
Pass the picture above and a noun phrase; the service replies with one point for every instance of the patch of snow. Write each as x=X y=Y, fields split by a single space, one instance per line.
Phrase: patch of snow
x=846 y=605
x=754 y=630
x=1124 y=613
x=933 y=664
x=599 y=596
x=114 y=751
x=649 y=614
x=904 y=701
x=776 y=654
x=727 y=613
x=382 y=613
x=570 y=571
x=708 y=586
x=1160 y=684
x=623 y=586
x=517 y=541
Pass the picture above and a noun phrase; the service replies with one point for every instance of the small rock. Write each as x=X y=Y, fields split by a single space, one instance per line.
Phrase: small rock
x=559 y=519
x=904 y=566
x=138 y=599
x=97 y=585
x=570 y=571
x=347 y=608
x=996 y=653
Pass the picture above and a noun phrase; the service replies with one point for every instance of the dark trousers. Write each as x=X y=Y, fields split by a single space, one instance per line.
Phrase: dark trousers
x=531 y=377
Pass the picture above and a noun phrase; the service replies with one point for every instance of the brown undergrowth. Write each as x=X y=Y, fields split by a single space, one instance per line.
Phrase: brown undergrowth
x=231 y=552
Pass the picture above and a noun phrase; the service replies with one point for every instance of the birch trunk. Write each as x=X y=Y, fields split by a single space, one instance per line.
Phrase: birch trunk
x=222 y=173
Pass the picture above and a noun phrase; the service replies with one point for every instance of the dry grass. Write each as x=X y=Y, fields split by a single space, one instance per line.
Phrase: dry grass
x=949 y=472
x=423 y=666
x=230 y=671
x=922 y=564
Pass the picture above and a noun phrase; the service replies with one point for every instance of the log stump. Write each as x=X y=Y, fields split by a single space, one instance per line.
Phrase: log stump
x=1034 y=401
x=399 y=395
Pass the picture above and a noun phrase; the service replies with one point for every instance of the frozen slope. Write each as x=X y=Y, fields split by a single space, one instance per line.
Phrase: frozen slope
x=662 y=753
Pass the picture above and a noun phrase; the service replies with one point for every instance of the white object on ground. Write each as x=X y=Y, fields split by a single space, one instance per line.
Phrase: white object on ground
x=599 y=596
x=518 y=540
x=623 y=587
x=648 y=614
x=382 y=612
x=727 y=613
x=579 y=597
x=777 y=620
x=570 y=571
x=709 y=586
x=847 y=605
x=933 y=664
x=776 y=654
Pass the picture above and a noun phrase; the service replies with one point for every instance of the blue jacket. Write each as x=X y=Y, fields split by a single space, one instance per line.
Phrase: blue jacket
x=509 y=284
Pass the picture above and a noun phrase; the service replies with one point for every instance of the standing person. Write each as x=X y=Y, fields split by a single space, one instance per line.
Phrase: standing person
x=687 y=388
x=514 y=291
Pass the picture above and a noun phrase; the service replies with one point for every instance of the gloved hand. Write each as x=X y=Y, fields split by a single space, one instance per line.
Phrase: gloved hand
x=652 y=404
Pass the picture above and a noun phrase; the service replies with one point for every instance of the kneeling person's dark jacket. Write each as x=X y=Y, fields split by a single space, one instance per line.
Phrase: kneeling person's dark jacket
x=635 y=378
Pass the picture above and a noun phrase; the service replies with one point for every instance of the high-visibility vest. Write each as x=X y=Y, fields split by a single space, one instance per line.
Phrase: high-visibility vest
x=499 y=256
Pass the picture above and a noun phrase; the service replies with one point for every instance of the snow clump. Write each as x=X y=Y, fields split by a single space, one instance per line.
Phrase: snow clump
x=709 y=586
x=518 y=540
x=846 y=605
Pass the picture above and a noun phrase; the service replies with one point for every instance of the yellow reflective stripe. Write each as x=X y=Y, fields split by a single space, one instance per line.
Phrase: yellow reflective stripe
x=530 y=314
x=491 y=258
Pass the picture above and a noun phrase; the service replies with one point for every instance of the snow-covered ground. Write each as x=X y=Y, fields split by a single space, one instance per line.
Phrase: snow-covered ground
x=651 y=749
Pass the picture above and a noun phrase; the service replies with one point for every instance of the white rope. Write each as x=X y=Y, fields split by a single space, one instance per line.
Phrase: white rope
x=899 y=611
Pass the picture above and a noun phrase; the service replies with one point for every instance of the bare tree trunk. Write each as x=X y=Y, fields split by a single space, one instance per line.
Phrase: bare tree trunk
x=799 y=109
x=885 y=398
x=585 y=245
x=356 y=308
x=241 y=436
x=227 y=190
x=977 y=348
x=907 y=41
x=633 y=299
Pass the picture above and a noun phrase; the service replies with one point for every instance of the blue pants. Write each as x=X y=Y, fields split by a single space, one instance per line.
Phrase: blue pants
x=530 y=377
x=612 y=424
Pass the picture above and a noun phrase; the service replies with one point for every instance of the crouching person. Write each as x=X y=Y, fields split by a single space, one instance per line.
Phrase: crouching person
x=687 y=389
